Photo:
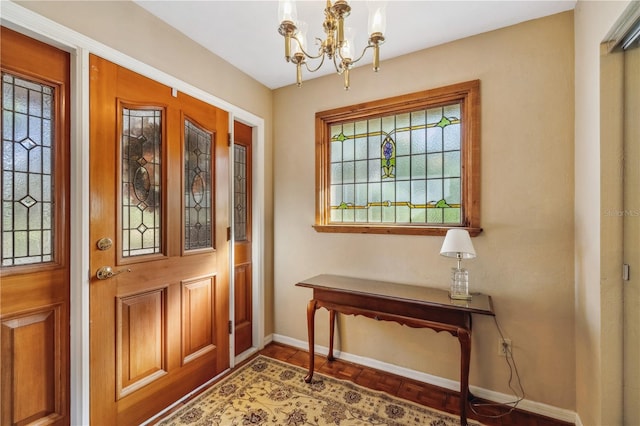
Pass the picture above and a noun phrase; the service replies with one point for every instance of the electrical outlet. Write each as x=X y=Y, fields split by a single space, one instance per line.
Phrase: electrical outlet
x=504 y=347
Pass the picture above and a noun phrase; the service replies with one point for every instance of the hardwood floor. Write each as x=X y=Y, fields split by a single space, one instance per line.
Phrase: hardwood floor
x=402 y=387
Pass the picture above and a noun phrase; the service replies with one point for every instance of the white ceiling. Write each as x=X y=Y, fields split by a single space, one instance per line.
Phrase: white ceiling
x=244 y=33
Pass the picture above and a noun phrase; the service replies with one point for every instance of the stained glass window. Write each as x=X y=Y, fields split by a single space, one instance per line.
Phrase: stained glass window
x=240 y=192
x=400 y=166
x=141 y=181
x=197 y=191
x=27 y=171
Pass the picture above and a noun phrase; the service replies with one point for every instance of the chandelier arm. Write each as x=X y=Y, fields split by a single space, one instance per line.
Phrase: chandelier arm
x=306 y=64
x=339 y=67
x=368 y=46
x=319 y=55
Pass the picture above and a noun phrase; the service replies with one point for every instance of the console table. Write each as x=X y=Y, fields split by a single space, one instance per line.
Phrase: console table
x=409 y=305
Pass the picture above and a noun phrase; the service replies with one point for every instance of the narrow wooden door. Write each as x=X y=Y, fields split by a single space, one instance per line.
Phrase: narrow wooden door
x=242 y=238
x=34 y=273
x=159 y=298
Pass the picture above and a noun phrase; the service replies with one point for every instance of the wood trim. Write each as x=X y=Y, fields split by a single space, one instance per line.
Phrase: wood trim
x=468 y=93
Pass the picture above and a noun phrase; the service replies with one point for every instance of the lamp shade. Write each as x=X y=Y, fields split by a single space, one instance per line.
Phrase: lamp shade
x=458 y=241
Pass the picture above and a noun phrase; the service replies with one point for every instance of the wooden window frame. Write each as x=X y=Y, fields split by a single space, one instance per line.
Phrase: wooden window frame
x=468 y=94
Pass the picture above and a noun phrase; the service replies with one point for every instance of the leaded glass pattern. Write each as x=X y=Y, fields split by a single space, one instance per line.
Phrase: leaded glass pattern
x=197 y=191
x=240 y=192
x=398 y=169
x=141 y=146
x=27 y=171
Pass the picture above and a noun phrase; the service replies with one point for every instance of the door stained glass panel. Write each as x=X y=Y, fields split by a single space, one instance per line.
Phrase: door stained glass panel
x=27 y=171
x=197 y=191
x=141 y=145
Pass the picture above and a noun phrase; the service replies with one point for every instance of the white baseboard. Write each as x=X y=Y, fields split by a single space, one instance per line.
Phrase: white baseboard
x=525 y=404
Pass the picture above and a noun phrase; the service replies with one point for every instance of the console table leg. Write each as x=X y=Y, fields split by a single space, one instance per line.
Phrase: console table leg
x=465 y=356
x=311 y=314
x=332 y=326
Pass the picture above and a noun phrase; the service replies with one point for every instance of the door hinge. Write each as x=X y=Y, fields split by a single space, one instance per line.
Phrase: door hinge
x=625 y=271
x=228 y=233
x=228 y=139
x=230 y=327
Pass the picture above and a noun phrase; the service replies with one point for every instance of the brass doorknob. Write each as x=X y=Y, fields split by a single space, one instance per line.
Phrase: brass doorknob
x=107 y=272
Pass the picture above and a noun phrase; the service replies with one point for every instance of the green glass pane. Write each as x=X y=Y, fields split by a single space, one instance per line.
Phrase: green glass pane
x=347 y=215
x=451 y=166
x=403 y=214
x=336 y=195
x=375 y=214
x=403 y=143
x=403 y=191
x=451 y=137
x=375 y=125
x=374 y=143
x=20 y=239
x=403 y=168
x=375 y=192
x=35 y=216
x=434 y=216
x=389 y=124
x=418 y=166
x=336 y=152
x=434 y=139
x=418 y=142
x=434 y=115
x=336 y=215
x=348 y=129
x=360 y=198
x=20 y=215
x=388 y=214
x=360 y=127
x=348 y=193
x=452 y=111
x=434 y=165
x=35 y=247
x=418 y=118
x=403 y=121
x=348 y=150
x=452 y=215
x=375 y=173
x=419 y=192
x=388 y=191
x=348 y=171
x=335 y=130
x=434 y=191
x=361 y=149
x=362 y=172
x=361 y=215
x=452 y=190
x=418 y=215
x=336 y=173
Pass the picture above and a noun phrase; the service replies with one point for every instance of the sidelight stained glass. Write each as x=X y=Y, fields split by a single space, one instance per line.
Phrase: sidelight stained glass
x=402 y=168
x=197 y=191
x=240 y=192
x=141 y=144
x=27 y=171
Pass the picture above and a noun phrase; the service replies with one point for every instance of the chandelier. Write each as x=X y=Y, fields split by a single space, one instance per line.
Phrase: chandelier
x=338 y=45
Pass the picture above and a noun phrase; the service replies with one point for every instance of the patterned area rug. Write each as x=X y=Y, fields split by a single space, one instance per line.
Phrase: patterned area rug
x=269 y=392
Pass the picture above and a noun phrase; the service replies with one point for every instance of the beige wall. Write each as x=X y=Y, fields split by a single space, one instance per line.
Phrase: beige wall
x=526 y=251
x=118 y=24
x=598 y=284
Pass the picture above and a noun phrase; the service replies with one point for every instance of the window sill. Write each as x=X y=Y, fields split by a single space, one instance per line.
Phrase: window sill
x=390 y=230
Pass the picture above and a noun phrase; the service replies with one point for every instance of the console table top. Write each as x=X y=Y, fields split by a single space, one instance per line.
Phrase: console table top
x=479 y=304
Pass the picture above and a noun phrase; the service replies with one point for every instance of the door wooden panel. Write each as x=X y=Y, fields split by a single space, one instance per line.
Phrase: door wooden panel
x=159 y=191
x=34 y=271
x=243 y=299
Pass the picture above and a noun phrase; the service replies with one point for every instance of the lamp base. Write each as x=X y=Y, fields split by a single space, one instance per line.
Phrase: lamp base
x=459 y=284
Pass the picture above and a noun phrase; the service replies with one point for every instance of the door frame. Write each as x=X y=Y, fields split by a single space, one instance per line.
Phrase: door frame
x=80 y=46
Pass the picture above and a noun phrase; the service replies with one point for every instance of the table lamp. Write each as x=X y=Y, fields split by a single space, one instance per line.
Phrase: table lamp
x=457 y=243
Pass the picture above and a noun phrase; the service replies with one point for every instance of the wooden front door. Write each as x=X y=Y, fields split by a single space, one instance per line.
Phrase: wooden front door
x=34 y=273
x=243 y=305
x=159 y=298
